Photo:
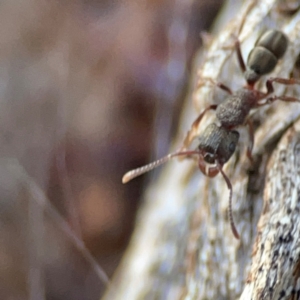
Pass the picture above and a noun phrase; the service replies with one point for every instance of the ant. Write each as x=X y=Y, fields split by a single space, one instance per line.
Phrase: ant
x=218 y=142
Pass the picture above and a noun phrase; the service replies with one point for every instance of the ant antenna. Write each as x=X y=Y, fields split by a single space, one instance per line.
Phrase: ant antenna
x=139 y=171
x=232 y=225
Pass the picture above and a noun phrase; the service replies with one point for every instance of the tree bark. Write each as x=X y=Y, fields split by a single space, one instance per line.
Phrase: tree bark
x=183 y=247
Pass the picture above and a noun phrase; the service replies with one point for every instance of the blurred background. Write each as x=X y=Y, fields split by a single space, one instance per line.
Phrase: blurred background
x=89 y=89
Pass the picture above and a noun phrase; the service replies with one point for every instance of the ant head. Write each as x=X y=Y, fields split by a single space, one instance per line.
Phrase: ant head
x=217 y=144
x=216 y=147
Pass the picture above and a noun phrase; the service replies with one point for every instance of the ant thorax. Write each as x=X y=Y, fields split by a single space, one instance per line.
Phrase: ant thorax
x=236 y=107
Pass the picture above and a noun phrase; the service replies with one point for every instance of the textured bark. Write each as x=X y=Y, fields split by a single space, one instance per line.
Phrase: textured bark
x=183 y=247
x=274 y=271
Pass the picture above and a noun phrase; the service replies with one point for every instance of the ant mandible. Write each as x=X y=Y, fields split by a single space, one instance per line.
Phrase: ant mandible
x=218 y=142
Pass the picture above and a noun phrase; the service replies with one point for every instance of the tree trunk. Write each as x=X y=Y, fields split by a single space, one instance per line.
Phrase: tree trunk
x=183 y=247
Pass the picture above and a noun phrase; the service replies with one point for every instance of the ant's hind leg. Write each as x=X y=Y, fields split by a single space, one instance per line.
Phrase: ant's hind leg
x=282 y=98
x=285 y=81
x=192 y=133
x=270 y=90
x=251 y=137
x=220 y=85
x=240 y=56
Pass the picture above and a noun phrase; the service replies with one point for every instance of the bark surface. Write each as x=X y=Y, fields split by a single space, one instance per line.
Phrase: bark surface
x=183 y=247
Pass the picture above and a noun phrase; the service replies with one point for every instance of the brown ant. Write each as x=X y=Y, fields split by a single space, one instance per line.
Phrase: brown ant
x=218 y=142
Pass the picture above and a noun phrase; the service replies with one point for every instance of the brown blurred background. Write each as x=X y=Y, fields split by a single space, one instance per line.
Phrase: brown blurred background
x=88 y=90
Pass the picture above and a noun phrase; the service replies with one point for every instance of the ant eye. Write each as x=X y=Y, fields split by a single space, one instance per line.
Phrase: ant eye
x=232 y=147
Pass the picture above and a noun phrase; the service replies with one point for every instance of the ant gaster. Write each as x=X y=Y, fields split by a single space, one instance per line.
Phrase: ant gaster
x=218 y=142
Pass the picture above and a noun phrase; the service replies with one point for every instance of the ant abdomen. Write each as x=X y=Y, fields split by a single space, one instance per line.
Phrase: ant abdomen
x=275 y=41
x=269 y=48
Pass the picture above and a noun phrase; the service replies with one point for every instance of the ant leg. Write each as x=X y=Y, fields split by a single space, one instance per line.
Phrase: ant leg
x=193 y=131
x=239 y=56
x=223 y=87
x=282 y=98
x=232 y=225
x=251 y=137
x=218 y=84
x=207 y=171
x=270 y=90
x=286 y=81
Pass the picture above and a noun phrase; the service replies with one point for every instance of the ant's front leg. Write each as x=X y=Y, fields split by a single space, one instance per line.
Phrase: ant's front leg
x=229 y=185
x=212 y=172
x=194 y=128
